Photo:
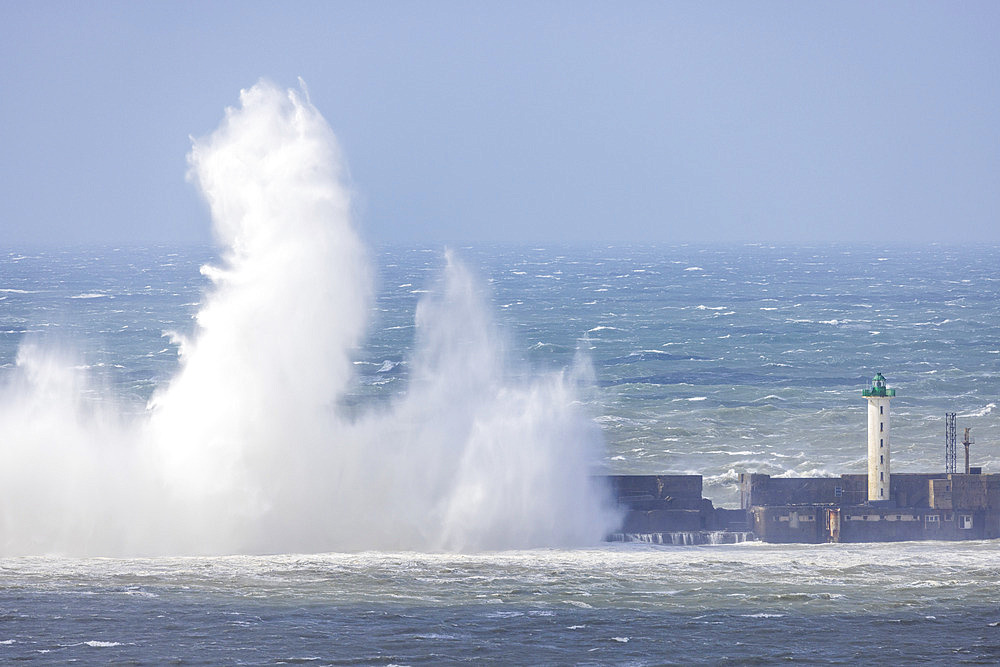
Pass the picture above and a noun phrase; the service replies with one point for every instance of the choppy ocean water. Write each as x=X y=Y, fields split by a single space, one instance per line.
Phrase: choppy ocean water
x=705 y=360
x=829 y=604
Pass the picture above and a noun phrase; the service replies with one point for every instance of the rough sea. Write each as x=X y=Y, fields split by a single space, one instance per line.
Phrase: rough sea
x=707 y=360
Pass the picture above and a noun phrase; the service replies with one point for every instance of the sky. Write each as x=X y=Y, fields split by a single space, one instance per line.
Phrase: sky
x=521 y=122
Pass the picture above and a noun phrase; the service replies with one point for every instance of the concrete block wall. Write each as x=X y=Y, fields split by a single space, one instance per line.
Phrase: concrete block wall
x=656 y=487
x=788 y=523
x=664 y=521
x=865 y=524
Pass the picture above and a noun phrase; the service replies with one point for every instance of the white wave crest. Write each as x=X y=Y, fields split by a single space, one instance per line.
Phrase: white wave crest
x=982 y=412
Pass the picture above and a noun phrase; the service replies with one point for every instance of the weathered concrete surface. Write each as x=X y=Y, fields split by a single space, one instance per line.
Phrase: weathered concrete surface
x=669 y=504
x=923 y=506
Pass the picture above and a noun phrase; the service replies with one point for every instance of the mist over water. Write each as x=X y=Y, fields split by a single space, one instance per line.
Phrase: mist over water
x=247 y=448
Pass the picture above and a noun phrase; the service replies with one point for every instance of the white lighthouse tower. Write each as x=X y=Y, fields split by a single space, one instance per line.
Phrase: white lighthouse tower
x=878 y=396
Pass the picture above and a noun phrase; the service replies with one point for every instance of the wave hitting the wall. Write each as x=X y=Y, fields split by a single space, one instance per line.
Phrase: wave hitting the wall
x=244 y=449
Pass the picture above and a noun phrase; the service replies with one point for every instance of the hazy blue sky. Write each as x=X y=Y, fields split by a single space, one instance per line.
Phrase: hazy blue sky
x=506 y=121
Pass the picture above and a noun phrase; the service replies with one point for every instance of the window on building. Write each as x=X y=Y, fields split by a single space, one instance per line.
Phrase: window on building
x=881 y=442
x=880 y=425
x=838 y=491
x=881 y=493
x=948 y=516
x=881 y=476
x=881 y=460
x=932 y=518
x=965 y=521
x=881 y=409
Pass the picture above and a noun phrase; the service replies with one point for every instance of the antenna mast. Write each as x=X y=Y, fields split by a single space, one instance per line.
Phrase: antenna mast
x=969 y=440
x=950 y=438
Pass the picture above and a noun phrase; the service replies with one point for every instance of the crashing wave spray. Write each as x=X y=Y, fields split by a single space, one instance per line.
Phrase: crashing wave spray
x=244 y=450
x=275 y=334
x=484 y=461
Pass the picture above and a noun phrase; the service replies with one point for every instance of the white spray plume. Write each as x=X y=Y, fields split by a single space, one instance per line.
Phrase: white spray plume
x=243 y=450
x=485 y=461
x=275 y=334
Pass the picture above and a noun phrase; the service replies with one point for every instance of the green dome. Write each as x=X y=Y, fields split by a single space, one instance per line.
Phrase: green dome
x=878 y=387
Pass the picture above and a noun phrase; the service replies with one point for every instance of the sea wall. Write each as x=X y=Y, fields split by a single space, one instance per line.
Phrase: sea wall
x=670 y=504
x=923 y=506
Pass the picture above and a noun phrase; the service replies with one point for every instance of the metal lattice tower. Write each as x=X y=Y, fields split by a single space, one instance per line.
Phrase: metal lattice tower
x=950 y=438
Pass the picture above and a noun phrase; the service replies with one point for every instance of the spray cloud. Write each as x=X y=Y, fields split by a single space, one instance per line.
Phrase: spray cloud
x=244 y=450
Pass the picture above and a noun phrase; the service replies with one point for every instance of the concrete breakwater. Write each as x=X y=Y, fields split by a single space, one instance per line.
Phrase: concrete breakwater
x=684 y=538
x=670 y=509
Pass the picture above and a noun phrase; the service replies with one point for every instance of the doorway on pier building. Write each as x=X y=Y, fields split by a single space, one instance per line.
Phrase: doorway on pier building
x=832 y=524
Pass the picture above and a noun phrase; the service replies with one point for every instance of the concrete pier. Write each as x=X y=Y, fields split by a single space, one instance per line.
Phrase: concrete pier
x=670 y=509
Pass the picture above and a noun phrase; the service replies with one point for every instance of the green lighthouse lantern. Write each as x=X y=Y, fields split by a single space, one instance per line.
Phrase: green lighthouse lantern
x=878 y=388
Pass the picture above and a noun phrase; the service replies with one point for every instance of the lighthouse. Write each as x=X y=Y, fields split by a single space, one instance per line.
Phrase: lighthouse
x=878 y=395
